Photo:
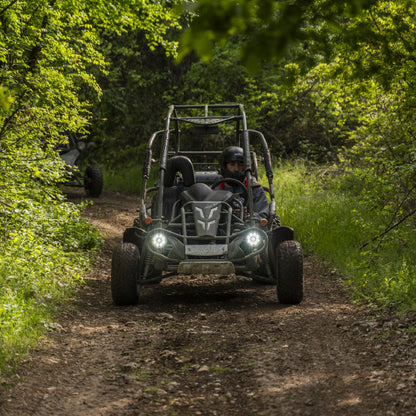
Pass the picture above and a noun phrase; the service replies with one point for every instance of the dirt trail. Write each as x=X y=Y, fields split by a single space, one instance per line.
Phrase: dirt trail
x=215 y=347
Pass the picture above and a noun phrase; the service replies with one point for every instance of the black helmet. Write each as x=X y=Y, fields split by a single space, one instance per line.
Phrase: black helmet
x=231 y=154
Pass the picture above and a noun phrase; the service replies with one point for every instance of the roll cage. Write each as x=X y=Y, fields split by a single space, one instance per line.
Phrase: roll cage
x=204 y=119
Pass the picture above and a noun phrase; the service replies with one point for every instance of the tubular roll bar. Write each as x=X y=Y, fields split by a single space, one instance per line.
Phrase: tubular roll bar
x=173 y=117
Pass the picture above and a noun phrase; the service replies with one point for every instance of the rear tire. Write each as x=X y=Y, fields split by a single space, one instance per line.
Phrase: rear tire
x=289 y=270
x=93 y=181
x=124 y=272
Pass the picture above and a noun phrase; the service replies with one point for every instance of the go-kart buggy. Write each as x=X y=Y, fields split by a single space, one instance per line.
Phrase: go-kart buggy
x=187 y=225
x=92 y=180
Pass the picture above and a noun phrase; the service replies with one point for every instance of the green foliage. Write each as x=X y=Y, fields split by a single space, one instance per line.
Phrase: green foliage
x=220 y=80
x=332 y=220
x=132 y=105
x=345 y=70
x=127 y=179
x=143 y=83
x=50 y=59
x=383 y=152
x=44 y=250
x=140 y=70
x=269 y=27
x=306 y=113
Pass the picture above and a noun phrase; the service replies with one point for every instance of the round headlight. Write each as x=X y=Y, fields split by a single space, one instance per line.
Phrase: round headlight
x=159 y=240
x=253 y=238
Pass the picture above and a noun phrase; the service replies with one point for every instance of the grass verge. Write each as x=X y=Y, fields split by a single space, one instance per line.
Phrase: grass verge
x=332 y=220
x=44 y=250
x=127 y=179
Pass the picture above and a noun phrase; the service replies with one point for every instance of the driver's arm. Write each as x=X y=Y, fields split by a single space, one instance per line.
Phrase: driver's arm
x=260 y=203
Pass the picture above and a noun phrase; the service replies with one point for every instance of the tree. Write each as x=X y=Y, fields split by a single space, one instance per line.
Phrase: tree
x=269 y=27
x=381 y=48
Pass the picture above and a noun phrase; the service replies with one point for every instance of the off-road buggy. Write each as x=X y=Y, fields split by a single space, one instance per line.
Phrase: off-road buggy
x=92 y=180
x=186 y=225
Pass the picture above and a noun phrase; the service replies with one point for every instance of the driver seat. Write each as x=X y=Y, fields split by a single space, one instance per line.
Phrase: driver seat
x=181 y=165
x=179 y=175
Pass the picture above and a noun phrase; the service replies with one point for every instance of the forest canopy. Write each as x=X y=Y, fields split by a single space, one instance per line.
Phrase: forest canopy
x=268 y=28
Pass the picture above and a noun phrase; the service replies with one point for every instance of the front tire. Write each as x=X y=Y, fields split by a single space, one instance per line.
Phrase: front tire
x=124 y=272
x=289 y=270
x=93 y=181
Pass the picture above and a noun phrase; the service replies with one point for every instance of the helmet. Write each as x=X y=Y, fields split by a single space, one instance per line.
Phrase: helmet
x=231 y=154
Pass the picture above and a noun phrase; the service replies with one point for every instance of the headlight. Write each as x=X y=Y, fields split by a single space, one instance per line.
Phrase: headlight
x=253 y=238
x=159 y=240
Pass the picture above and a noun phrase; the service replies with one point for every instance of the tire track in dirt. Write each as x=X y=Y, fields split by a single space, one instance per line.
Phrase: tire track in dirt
x=214 y=346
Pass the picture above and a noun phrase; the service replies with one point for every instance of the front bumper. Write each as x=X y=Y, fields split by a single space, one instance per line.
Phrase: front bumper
x=204 y=238
x=216 y=257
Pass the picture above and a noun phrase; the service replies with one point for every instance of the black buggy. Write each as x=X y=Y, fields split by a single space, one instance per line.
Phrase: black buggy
x=186 y=225
x=72 y=154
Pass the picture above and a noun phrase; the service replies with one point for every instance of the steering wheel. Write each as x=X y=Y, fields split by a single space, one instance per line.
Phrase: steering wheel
x=234 y=182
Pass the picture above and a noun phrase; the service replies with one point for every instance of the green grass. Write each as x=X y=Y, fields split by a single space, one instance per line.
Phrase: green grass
x=331 y=220
x=128 y=178
x=44 y=251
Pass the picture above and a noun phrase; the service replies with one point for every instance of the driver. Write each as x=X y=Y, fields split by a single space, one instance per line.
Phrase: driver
x=232 y=166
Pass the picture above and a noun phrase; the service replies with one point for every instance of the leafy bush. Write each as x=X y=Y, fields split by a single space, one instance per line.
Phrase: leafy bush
x=44 y=249
x=45 y=245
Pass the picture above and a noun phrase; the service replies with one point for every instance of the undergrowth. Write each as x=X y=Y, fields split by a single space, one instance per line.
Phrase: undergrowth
x=129 y=178
x=45 y=247
x=126 y=179
x=332 y=219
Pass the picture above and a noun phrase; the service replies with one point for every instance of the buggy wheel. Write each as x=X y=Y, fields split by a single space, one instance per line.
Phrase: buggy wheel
x=93 y=180
x=289 y=269
x=124 y=271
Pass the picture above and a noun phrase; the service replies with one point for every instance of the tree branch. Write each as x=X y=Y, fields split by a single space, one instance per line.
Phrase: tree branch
x=388 y=229
x=7 y=7
x=5 y=204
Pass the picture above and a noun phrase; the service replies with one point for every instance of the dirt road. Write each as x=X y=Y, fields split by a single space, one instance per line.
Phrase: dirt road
x=215 y=347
